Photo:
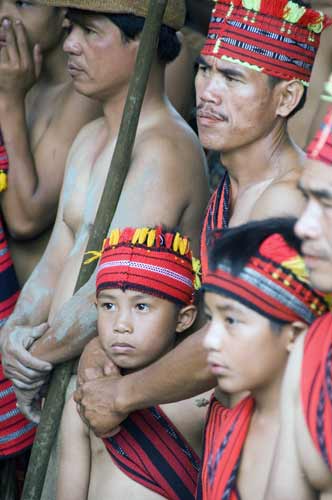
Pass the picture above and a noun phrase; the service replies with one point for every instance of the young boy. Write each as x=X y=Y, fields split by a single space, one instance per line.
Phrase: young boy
x=259 y=301
x=145 y=291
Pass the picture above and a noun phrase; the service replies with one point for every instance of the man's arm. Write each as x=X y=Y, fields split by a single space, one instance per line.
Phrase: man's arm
x=287 y=479
x=37 y=164
x=180 y=374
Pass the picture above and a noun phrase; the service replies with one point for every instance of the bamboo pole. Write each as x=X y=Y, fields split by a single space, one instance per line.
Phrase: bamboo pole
x=119 y=167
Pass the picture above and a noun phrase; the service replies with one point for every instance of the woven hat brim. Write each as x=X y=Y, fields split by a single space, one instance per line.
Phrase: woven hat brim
x=174 y=16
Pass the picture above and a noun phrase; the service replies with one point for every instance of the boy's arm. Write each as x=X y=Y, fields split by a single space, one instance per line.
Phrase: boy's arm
x=287 y=479
x=180 y=374
x=75 y=456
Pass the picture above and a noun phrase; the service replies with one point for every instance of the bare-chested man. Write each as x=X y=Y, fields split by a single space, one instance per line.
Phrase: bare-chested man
x=303 y=461
x=166 y=183
x=242 y=111
x=37 y=98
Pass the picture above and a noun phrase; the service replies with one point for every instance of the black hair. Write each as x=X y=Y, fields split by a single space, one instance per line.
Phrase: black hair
x=169 y=45
x=238 y=245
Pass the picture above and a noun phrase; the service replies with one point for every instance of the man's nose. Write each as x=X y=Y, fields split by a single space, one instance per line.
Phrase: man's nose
x=72 y=44
x=211 y=90
x=308 y=225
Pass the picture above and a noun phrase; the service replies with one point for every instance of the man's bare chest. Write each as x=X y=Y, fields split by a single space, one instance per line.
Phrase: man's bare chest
x=84 y=185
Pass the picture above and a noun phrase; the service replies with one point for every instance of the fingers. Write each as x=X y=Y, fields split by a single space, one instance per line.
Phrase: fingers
x=38 y=59
x=26 y=386
x=28 y=404
x=22 y=43
x=108 y=434
x=11 y=44
x=110 y=368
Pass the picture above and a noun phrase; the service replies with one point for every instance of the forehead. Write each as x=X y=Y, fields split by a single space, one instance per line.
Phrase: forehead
x=83 y=17
x=317 y=176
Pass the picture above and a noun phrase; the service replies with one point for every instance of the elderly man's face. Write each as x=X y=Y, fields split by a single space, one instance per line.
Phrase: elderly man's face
x=315 y=225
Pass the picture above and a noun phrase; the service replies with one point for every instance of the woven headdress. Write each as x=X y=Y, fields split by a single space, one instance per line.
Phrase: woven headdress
x=277 y=37
x=273 y=282
x=174 y=16
x=149 y=260
x=320 y=147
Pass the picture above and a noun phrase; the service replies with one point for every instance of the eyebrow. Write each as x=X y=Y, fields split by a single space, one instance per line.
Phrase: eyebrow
x=318 y=193
x=228 y=72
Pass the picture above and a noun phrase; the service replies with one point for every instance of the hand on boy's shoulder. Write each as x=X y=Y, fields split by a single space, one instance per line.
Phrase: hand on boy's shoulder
x=94 y=364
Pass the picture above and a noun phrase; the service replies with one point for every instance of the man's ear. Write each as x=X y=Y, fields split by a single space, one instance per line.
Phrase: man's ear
x=290 y=94
x=186 y=318
x=293 y=331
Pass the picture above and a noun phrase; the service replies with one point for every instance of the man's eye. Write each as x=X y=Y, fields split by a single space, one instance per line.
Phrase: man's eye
x=142 y=307
x=22 y=3
x=202 y=68
x=208 y=316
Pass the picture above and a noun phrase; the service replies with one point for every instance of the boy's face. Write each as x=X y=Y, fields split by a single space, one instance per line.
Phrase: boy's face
x=43 y=24
x=99 y=61
x=314 y=226
x=243 y=351
x=134 y=328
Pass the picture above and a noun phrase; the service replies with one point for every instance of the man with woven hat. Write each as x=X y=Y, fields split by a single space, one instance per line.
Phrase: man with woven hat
x=166 y=182
x=252 y=76
x=145 y=286
x=259 y=301
x=303 y=462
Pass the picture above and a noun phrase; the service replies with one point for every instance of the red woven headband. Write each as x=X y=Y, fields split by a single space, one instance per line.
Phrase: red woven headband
x=149 y=260
x=273 y=283
x=277 y=37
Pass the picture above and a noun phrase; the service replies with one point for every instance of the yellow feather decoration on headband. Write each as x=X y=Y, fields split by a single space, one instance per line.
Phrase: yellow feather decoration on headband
x=293 y=12
x=252 y=5
x=196 y=263
x=151 y=238
x=94 y=256
x=297 y=266
x=142 y=235
x=114 y=237
x=3 y=181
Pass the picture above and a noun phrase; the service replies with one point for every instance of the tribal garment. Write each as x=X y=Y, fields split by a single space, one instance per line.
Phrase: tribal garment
x=217 y=217
x=225 y=434
x=16 y=432
x=316 y=385
x=152 y=452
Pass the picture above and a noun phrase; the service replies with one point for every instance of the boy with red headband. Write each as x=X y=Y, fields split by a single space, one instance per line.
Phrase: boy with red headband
x=303 y=462
x=146 y=281
x=259 y=301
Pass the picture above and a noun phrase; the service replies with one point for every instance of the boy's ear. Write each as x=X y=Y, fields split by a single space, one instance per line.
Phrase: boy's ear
x=294 y=330
x=186 y=318
x=290 y=93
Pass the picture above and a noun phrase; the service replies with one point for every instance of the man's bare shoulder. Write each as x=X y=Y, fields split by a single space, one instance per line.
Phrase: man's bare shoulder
x=280 y=199
x=86 y=137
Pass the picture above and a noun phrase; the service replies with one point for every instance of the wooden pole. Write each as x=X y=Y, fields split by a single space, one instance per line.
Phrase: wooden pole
x=119 y=167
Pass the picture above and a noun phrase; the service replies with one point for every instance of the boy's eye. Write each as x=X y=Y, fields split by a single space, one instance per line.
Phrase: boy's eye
x=109 y=306
x=22 y=3
x=208 y=315
x=230 y=320
x=142 y=307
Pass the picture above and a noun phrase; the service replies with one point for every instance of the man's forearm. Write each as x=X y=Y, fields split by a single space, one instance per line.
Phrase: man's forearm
x=72 y=328
x=180 y=374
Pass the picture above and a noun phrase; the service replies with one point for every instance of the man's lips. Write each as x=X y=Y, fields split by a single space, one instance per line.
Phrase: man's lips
x=74 y=68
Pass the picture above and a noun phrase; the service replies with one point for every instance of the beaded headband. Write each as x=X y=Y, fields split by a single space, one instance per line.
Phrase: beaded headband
x=277 y=37
x=149 y=260
x=274 y=283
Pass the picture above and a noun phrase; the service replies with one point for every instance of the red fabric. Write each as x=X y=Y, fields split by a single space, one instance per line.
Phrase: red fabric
x=152 y=452
x=217 y=217
x=320 y=147
x=16 y=432
x=225 y=435
x=263 y=39
x=316 y=385
x=156 y=270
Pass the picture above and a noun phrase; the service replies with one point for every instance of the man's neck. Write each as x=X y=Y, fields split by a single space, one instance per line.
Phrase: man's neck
x=154 y=99
x=267 y=399
x=269 y=158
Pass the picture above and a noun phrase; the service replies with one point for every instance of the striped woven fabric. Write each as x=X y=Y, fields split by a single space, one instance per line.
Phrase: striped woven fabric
x=316 y=385
x=16 y=432
x=150 y=260
x=217 y=217
x=279 y=38
x=152 y=452
x=321 y=146
x=225 y=434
